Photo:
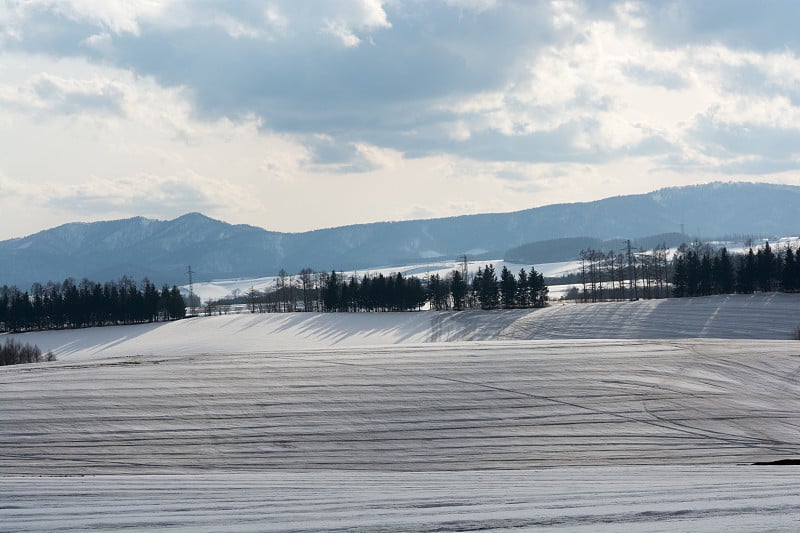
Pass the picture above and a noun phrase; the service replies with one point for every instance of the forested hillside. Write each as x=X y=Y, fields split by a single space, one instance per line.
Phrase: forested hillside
x=216 y=250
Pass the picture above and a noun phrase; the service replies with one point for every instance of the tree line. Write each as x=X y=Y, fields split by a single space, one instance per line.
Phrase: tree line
x=695 y=269
x=335 y=292
x=450 y=292
x=521 y=292
x=72 y=304
x=700 y=270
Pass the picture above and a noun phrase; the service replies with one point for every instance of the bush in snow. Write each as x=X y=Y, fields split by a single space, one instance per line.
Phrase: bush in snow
x=15 y=353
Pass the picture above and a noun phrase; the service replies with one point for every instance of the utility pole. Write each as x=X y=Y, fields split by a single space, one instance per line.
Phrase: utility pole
x=191 y=291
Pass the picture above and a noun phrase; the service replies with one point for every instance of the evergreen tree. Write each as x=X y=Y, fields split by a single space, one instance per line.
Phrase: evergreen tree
x=539 y=290
x=705 y=275
x=488 y=291
x=476 y=287
x=331 y=293
x=523 y=290
x=790 y=271
x=723 y=272
x=746 y=273
x=765 y=267
x=680 y=278
x=176 y=307
x=439 y=291
x=692 y=272
x=508 y=288
x=458 y=287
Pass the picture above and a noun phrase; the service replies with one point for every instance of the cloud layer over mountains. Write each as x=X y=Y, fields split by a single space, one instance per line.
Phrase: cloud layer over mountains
x=298 y=115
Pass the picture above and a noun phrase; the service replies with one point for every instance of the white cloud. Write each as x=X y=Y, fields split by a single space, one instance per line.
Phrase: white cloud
x=100 y=42
x=365 y=14
x=352 y=16
x=275 y=18
x=474 y=5
x=286 y=105
x=342 y=32
x=118 y=16
x=620 y=89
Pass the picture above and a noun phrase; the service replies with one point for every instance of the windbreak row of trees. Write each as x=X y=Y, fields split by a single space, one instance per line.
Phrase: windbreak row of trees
x=695 y=269
x=399 y=293
x=86 y=304
x=700 y=270
x=522 y=292
x=335 y=292
x=376 y=293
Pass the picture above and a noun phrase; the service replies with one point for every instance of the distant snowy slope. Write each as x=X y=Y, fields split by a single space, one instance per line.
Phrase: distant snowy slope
x=757 y=316
x=762 y=316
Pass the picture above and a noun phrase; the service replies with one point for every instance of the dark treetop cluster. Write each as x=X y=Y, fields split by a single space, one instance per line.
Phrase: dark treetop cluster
x=335 y=292
x=699 y=270
x=86 y=304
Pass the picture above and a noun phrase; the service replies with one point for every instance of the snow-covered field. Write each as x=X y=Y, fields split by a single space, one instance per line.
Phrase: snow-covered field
x=593 y=499
x=761 y=316
x=634 y=415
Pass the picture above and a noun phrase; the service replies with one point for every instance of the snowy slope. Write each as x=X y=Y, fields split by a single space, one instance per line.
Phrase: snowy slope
x=579 y=435
x=456 y=406
x=306 y=422
x=592 y=500
x=761 y=316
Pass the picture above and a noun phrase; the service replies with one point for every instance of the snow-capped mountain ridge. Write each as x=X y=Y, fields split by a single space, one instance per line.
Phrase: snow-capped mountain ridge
x=162 y=250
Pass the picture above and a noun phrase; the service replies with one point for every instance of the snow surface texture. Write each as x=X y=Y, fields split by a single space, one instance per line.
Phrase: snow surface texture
x=358 y=422
x=762 y=316
x=654 y=499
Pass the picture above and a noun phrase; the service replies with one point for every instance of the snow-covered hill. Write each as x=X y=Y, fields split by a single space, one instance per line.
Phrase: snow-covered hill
x=387 y=421
x=652 y=435
x=772 y=316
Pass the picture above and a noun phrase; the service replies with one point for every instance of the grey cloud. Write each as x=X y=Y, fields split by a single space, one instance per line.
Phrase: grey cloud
x=551 y=146
x=768 y=149
x=722 y=139
x=740 y=24
x=387 y=90
x=651 y=145
x=512 y=175
x=303 y=80
x=337 y=155
x=47 y=33
x=145 y=195
x=557 y=145
x=760 y=166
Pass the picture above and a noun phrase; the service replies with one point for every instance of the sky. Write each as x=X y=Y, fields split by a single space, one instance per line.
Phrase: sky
x=293 y=115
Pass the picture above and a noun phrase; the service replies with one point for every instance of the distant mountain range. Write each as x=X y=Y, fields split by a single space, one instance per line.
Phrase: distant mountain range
x=161 y=250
